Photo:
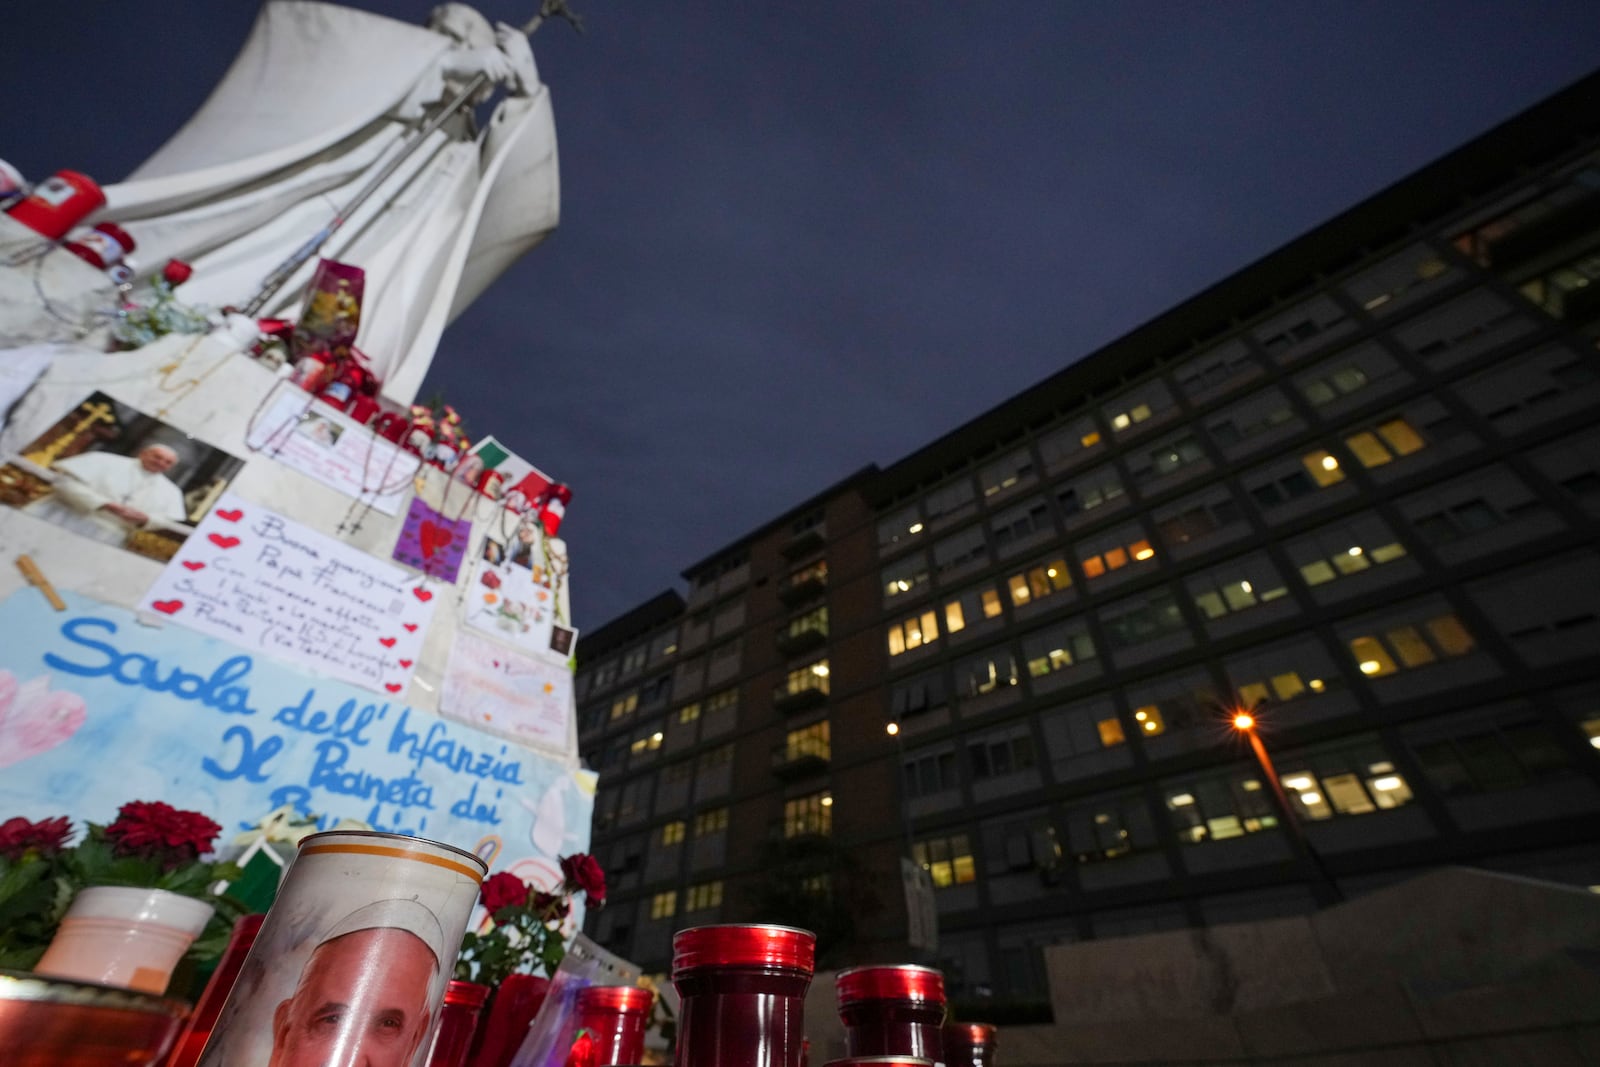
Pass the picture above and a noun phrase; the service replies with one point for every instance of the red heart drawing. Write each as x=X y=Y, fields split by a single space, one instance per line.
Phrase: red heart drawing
x=223 y=540
x=386 y=642
x=394 y=687
x=406 y=664
x=433 y=537
x=421 y=594
x=193 y=565
x=230 y=516
x=411 y=627
x=168 y=607
x=497 y=663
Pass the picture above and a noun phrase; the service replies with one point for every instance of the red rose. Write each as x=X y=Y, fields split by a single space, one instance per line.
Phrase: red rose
x=176 y=272
x=583 y=871
x=153 y=830
x=46 y=837
x=504 y=890
x=551 y=906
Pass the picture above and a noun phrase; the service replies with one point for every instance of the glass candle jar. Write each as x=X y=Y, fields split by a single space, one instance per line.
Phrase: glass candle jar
x=458 y=1021
x=892 y=1011
x=879 y=1061
x=969 y=1044
x=743 y=990
x=615 y=1017
x=197 y=1031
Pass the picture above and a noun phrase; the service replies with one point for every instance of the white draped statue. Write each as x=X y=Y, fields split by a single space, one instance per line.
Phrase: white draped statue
x=318 y=101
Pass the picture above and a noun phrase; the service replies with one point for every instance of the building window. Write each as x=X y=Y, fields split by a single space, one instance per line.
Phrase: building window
x=1349 y=780
x=664 y=905
x=948 y=860
x=959 y=549
x=1291 y=671
x=1398 y=648
x=1139 y=405
x=808 y=815
x=987 y=672
x=947 y=500
x=1394 y=281
x=1565 y=291
x=905 y=576
x=703 y=896
x=647 y=742
x=1258 y=414
x=1293 y=333
x=1463 y=328
x=996 y=758
x=1197 y=517
x=1389 y=441
x=673 y=832
x=815 y=620
x=811 y=572
x=1057 y=648
x=1019 y=524
x=1181 y=702
x=624 y=705
x=811 y=676
x=1089 y=492
x=1003 y=474
x=1340 y=551
x=1037 y=583
x=1236 y=586
x=713 y=821
x=722 y=698
x=1486 y=756
x=1318 y=470
x=1217 y=808
x=1131 y=623
x=1231 y=361
x=1166 y=458
x=914 y=632
x=901 y=528
x=1114 y=551
x=929 y=773
x=971 y=606
x=605 y=674
x=916 y=696
x=808 y=741
x=664 y=645
x=1066 y=443
x=1111 y=827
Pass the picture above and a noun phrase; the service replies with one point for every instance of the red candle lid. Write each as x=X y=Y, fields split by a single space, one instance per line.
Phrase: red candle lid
x=744 y=946
x=969 y=1033
x=621 y=998
x=899 y=982
x=467 y=994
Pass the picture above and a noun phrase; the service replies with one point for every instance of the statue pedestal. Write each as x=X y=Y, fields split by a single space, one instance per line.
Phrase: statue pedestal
x=71 y=290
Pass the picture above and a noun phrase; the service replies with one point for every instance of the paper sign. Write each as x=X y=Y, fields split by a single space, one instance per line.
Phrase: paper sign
x=274 y=587
x=494 y=689
x=433 y=543
x=97 y=710
x=510 y=598
x=311 y=437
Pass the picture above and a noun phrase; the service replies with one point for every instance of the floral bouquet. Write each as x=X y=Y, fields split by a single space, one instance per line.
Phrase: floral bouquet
x=526 y=935
x=138 y=325
x=150 y=845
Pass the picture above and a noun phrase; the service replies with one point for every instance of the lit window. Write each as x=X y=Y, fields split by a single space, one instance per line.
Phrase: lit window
x=808 y=815
x=672 y=833
x=1451 y=637
x=948 y=860
x=1400 y=437
x=1150 y=721
x=703 y=896
x=1371 y=657
x=953 y=620
x=1110 y=731
x=664 y=905
x=711 y=822
x=1089 y=440
x=914 y=632
x=1323 y=468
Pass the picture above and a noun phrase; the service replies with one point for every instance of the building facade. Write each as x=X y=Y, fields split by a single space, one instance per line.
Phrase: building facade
x=1354 y=487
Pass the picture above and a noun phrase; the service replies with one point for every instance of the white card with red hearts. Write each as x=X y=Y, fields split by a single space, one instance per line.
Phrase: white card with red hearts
x=270 y=585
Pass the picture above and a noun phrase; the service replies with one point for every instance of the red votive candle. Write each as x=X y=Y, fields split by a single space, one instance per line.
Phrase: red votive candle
x=615 y=1017
x=892 y=1011
x=743 y=990
x=186 y=1051
x=458 y=1021
x=880 y=1061
x=969 y=1045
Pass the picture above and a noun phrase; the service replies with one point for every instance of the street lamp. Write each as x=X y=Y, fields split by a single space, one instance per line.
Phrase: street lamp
x=1246 y=723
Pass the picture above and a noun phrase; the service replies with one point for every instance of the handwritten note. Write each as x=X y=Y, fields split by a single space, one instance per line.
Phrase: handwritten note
x=433 y=543
x=114 y=711
x=492 y=688
x=510 y=597
x=270 y=585
x=322 y=443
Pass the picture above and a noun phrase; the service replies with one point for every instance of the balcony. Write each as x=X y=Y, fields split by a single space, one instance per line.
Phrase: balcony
x=794 y=642
x=803 y=587
x=799 y=758
x=787 y=700
x=808 y=540
x=810 y=829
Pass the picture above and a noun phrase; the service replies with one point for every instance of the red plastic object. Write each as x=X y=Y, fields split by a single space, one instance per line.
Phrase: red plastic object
x=458 y=1022
x=743 y=990
x=58 y=203
x=515 y=1003
x=969 y=1044
x=892 y=1011
x=615 y=1018
x=192 y=1042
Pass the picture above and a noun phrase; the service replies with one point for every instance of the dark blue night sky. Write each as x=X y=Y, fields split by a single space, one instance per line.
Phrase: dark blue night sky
x=801 y=237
